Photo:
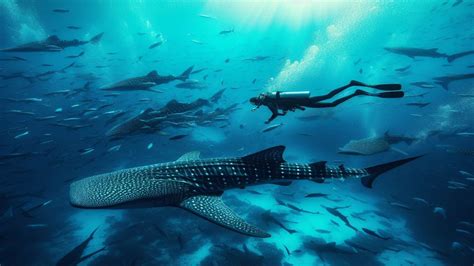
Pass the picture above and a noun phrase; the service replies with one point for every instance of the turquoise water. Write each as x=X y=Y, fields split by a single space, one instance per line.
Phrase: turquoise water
x=57 y=130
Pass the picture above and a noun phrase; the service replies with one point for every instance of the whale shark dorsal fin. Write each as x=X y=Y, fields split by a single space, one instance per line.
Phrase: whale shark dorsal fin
x=319 y=164
x=53 y=38
x=152 y=74
x=213 y=209
x=274 y=154
x=190 y=156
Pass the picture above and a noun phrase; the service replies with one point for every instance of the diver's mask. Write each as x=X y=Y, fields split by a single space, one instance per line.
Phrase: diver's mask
x=258 y=101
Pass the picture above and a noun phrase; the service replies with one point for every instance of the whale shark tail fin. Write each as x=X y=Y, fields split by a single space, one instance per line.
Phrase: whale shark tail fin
x=451 y=58
x=443 y=83
x=377 y=170
x=185 y=75
x=456 y=56
x=97 y=38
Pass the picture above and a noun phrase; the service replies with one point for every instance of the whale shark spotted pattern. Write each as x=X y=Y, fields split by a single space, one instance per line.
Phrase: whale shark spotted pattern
x=196 y=184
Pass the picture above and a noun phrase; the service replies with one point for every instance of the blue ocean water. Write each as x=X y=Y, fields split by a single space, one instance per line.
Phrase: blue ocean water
x=61 y=123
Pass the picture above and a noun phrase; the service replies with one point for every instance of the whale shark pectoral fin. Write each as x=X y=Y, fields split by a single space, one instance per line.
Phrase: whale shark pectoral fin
x=274 y=154
x=213 y=209
x=51 y=47
x=190 y=156
x=145 y=85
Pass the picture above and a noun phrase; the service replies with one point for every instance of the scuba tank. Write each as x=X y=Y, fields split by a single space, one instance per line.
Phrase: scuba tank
x=289 y=95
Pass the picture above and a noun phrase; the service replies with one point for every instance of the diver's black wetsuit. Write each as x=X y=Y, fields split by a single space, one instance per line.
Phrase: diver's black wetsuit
x=285 y=104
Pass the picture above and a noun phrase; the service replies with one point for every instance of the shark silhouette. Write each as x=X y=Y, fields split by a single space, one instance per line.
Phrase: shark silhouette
x=432 y=53
x=75 y=256
x=52 y=44
x=196 y=184
x=146 y=82
x=444 y=81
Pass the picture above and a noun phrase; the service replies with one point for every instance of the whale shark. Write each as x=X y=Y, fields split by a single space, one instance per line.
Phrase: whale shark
x=151 y=120
x=395 y=139
x=367 y=146
x=196 y=184
x=151 y=117
x=432 y=53
x=52 y=44
x=146 y=82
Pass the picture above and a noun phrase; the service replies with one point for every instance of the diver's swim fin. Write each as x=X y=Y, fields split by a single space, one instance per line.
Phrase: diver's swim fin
x=388 y=94
x=383 y=87
x=387 y=87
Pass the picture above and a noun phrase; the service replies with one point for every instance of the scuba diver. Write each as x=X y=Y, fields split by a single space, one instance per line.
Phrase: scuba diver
x=293 y=100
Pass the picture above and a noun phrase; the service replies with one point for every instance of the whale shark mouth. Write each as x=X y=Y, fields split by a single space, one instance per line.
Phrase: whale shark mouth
x=108 y=190
x=134 y=186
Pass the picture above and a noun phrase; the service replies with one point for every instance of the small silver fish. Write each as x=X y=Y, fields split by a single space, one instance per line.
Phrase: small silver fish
x=421 y=200
x=465 y=134
x=457 y=183
x=36 y=225
x=464 y=173
x=400 y=205
x=466 y=223
x=114 y=148
x=72 y=119
x=22 y=134
x=463 y=231
x=86 y=151
x=455 y=188
x=272 y=127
